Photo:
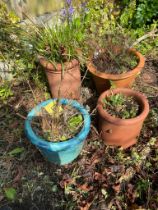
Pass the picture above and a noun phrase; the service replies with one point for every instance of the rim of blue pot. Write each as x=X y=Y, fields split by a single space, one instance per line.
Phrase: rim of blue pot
x=57 y=146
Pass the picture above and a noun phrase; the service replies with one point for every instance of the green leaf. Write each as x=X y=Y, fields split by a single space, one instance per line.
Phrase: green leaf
x=63 y=138
x=16 y=151
x=10 y=193
x=75 y=121
x=104 y=192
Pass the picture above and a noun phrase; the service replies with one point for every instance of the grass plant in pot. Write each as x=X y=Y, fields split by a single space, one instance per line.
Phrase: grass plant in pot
x=59 y=52
x=122 y=112
x=113 y=62
x=58 y=128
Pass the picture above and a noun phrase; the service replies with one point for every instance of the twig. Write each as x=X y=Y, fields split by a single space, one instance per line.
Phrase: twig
x=84 y=76
x=145 y=36
x=20 y=115
x=93 y=111
x=32 y=91
x=95 y=130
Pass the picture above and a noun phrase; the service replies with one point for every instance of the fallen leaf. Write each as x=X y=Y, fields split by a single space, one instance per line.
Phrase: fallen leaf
x=85 y=187
x=97 y=176
x=135 y=207
x=96 y=158
x=116 y=188
x=86 y=207
x=18 y=176
x=64 y=183
x=131 y=193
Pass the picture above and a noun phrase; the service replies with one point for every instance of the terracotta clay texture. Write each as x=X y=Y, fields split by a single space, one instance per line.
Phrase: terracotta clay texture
x=103 y=81
x=64 y=80
x=121 y=132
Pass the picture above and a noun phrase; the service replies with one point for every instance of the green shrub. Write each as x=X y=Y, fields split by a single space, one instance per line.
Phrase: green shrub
x=138 y=13
x=14 y=48
x=100 y=16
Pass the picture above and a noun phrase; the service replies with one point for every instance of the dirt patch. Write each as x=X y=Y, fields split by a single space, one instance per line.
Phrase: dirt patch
x=147 y=82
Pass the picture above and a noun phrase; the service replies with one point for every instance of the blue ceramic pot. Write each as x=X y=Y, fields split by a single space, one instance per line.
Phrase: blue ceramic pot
x=59 y=152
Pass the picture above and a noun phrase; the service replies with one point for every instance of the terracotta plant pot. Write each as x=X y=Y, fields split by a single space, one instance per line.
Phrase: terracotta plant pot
x=66 y=78
x=121 y=132
x=103 y=80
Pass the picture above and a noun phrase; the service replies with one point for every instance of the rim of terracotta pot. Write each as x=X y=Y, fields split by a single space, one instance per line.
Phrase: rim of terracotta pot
x=139 y=97
x=130 y=73
x=58 y=67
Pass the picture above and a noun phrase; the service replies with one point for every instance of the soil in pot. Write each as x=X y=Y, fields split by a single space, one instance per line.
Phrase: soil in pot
x=121 y=112
x=56 y=122
x=115 y=61
x=121 y=106
x=118 y=69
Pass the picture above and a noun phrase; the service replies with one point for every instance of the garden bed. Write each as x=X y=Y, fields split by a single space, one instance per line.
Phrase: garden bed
x=102 y=177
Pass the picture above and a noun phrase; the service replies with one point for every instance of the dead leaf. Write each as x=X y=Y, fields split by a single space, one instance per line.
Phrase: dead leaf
x=96 y=158
x=85 y=187
x=131 y=193
x=86 y=207
x=64 y=183
x=97 y=176
x=116 y=188
x=107 y=171
x=136 y=207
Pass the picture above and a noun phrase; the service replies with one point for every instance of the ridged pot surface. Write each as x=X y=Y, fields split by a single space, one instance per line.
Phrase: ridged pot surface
x=121 y=132
x=64 y=80
x=103 y=81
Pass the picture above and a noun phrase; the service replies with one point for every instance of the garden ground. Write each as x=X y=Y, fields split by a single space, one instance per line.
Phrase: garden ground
x=102 y=177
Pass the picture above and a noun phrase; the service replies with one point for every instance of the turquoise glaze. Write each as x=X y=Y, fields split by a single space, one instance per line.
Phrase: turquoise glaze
x=59 y=152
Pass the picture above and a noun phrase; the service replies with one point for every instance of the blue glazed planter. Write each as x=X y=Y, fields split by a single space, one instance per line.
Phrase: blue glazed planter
x=59 y=152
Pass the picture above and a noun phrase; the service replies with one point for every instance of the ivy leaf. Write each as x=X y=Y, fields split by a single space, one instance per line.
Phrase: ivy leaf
x=10 y=193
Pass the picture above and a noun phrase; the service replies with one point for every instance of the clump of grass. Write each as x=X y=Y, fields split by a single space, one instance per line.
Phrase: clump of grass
x=121 y=106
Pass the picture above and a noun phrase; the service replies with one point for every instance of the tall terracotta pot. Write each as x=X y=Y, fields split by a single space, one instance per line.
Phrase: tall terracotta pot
x=125 y=80
x=121 y=132
x=64 y=80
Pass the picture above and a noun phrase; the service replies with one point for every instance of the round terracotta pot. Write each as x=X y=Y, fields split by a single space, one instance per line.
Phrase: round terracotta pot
x=125 y=80
x=64 y=80
x=121 y=132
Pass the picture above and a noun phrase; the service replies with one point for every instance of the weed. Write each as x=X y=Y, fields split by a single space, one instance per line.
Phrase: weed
x=142 y=187
x=121 y=106
x=5 y=91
